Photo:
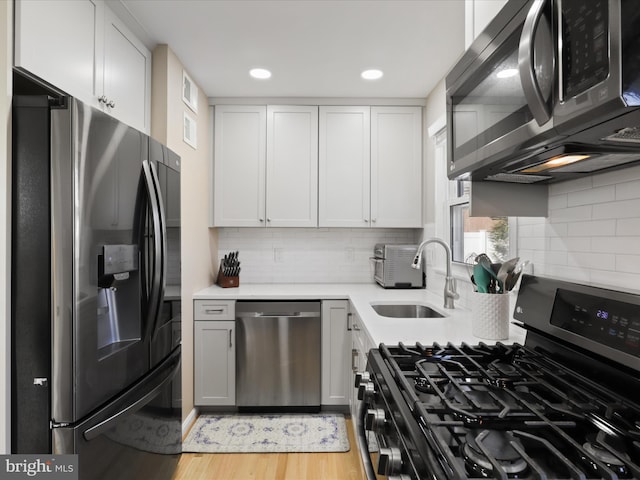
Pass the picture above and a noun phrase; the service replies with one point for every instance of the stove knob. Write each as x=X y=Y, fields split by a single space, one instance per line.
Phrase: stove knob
x=362 y=377
x=389 y=461
x=374 y=419
x=366 y=391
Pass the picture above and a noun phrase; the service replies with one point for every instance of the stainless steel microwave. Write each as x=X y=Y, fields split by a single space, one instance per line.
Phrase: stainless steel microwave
x=549 y=91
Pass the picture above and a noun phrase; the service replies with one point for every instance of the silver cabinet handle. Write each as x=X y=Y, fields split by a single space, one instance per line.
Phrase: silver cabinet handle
x=349 y=320
x=354 y=360
x=214 y=310
x=366 y=220
x=102 y=99
x=111 y=104
x=261 y=219
x=230 y=338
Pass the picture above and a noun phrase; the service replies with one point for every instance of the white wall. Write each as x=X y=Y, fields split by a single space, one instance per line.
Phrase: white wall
x=198 y=241
x=6 y=51
x=308 y=255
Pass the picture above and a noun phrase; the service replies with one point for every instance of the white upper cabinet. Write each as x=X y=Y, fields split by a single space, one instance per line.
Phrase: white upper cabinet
x=478 y=14
x=344 y=167
x=292 y=166
x=83 y=49
x=396 y=167
x=126 y=90
x=239 y=166
x=56 y=41
x=265 y=166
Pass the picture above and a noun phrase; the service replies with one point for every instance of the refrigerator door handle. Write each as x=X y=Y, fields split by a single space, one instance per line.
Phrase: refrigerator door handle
x=163 y=249
x=167 y=374
x=155 y=294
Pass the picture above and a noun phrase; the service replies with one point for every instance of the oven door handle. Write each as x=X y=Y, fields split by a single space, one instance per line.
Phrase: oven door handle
x=364 y=446
x=536 y=102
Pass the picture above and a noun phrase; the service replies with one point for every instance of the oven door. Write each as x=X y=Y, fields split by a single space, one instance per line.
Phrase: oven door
x=500 y=95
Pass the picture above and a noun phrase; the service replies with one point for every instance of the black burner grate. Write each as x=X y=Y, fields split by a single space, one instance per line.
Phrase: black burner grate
x=503 y=411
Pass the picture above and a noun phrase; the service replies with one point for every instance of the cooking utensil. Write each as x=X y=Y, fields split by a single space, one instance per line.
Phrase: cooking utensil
x=506 y=268
x=481 y=278
x=485 y=262
x=513 y=276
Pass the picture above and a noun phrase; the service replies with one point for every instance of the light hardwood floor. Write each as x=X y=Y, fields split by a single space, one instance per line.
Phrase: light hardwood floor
x=273 y=466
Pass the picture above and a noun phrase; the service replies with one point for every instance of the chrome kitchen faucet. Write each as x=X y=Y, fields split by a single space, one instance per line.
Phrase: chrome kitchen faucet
x=450 y=293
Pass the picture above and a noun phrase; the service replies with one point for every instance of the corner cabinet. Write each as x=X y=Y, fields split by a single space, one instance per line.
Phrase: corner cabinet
x=335 y=352
x=370 y=167
x=214 y=353
x=265 y=168
x=82 y=48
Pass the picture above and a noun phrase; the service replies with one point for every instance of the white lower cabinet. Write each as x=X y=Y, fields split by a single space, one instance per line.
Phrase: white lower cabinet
x=335 y=353
x=360 y=346
x=214 y=353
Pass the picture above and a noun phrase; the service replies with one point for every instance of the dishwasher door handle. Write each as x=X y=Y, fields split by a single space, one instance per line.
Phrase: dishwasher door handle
x=276 y=314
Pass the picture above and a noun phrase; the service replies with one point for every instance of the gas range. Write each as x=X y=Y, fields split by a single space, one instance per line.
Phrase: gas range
x=563 y=405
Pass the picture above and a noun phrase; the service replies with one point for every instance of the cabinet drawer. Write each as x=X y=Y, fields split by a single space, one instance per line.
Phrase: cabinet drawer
x=214 y=309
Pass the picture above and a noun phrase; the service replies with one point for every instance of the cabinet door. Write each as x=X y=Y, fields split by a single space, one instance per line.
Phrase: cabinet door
x=56 y=41
x=214 y=363
x=292 y=166
x=335 y=353
x=396 y=167
x=239 y=166
x=344 y=162
x=127 y=74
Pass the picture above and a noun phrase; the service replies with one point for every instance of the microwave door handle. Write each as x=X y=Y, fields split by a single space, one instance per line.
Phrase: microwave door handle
x=536 y=102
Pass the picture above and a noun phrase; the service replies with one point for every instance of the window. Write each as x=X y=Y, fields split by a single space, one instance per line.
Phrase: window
x=468 y=235
x=474 y=235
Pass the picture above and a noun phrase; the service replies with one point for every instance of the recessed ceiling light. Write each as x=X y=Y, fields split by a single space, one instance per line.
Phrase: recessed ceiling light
x=507 y=72
x=373 y=74
x=261 y=73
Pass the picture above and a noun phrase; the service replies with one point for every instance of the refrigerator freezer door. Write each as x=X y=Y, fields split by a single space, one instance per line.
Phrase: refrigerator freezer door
x=137 y=435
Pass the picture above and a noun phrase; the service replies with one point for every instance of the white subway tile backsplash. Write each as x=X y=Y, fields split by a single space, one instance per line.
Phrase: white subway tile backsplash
x=621 y=245
x=571 y=214
x=628 y=226
x=628 y=190
x=584 y=183
x=628 y=263
x=308 y=255
x=592 y=228
x=558 y=201
x=592 y=233
x=619 y=209
x=617 y=176
x=593 y=195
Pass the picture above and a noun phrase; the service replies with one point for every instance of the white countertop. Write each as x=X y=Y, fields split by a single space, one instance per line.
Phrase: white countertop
x=455 y=327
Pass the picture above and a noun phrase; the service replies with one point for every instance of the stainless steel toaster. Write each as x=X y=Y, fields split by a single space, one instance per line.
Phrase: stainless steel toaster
x=393 y=266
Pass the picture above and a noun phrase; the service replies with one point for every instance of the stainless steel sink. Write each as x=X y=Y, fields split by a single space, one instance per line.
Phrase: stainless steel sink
x=406 y=311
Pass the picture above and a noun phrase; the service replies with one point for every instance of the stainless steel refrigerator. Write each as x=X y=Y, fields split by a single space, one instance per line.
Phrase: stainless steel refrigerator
x=95 y=342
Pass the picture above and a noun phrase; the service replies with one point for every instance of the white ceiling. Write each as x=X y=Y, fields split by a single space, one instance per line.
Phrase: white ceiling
x=315 y=48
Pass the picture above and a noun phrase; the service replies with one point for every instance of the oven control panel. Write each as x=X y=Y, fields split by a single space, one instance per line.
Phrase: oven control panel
x=610 y=322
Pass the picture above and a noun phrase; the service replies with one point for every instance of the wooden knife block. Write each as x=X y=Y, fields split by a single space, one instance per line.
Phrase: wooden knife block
x=226 y=282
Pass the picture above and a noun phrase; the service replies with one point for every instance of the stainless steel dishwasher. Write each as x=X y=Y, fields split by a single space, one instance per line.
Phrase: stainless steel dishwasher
x=278 y=355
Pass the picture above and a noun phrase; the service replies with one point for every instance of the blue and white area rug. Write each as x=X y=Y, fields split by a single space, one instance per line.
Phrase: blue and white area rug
x=243 y=433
